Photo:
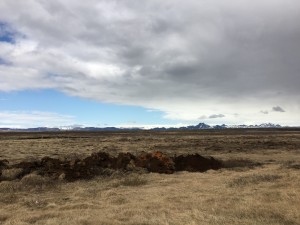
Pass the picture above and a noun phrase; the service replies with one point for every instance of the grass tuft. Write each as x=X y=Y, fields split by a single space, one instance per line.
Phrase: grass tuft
x=131 y=180
x=30 y=182
x=11 y=174
x=3 y=218
x=9 y=186
x=37 y=182
x=254 y=179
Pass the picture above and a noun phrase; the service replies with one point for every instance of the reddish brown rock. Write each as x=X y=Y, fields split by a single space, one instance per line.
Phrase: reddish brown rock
x=155 y=162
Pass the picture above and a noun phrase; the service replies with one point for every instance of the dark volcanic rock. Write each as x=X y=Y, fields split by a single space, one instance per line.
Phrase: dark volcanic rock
x=76 y=168
x=123 y=160
x=196 y=163
x=101 y=159
x=3 y=165
x=52 y=167
x=27 y=167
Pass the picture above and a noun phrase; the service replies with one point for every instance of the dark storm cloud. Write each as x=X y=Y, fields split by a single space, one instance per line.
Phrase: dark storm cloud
x=214 y=116
x=159 y=54
x=264 y=111
x=278 y=109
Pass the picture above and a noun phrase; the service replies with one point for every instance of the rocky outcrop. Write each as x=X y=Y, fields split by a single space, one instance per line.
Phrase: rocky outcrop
x=91 y=166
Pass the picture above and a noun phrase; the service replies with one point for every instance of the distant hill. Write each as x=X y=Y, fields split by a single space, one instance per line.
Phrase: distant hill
x=200 y=126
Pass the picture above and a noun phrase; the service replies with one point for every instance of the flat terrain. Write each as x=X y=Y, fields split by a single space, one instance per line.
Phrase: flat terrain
x=260 y=183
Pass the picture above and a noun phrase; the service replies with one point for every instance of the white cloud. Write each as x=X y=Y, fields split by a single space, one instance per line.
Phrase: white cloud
x=26 y=119
x=187 y=59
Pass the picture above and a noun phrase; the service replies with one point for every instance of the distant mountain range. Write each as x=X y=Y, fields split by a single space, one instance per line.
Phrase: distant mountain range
x=200 y=126
x=204 y=126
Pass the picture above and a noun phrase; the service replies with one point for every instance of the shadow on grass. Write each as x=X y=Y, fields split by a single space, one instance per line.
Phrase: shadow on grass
x=240 y=164
x=291 y=165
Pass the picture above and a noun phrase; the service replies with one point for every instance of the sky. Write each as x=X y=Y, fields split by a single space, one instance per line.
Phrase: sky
x=149 y=63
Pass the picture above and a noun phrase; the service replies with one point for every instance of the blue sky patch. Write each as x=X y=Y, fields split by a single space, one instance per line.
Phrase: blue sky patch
x=2 y=62
x=6 y=33
x=85 y=112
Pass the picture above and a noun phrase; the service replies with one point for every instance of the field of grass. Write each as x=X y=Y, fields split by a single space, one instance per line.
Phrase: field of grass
x=259 y=184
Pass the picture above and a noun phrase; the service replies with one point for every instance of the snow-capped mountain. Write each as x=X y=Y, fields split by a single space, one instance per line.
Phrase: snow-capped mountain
x=263 y=125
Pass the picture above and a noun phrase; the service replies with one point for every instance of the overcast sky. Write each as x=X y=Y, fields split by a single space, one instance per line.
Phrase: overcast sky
x=229 y=61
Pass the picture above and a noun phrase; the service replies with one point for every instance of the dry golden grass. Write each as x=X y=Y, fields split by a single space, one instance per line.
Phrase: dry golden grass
x=259 y=186
x=265 y=195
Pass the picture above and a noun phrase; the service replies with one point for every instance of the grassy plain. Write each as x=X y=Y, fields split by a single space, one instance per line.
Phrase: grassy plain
x=260 y=184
